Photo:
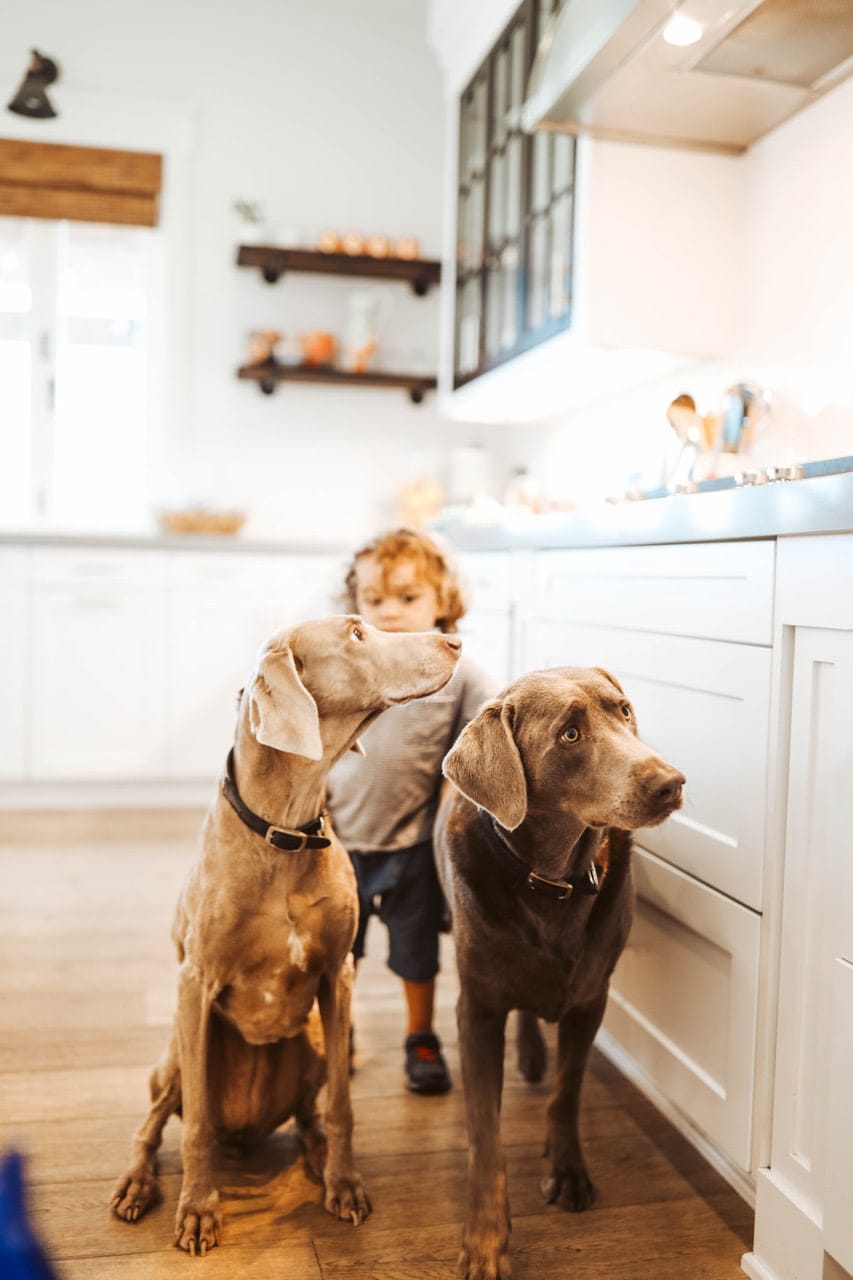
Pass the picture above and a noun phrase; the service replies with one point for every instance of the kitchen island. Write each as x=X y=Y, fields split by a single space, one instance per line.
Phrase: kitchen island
x=728 y=617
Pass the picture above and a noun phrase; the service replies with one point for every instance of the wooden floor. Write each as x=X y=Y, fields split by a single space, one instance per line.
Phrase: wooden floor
x=87 y=980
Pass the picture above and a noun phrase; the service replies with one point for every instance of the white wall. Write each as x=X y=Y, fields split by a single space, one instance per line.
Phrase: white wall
x=331 y=115
x=791 y=320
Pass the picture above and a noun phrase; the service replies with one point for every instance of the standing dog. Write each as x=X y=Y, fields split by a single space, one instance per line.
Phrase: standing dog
x=534 y=854
x=266 y=921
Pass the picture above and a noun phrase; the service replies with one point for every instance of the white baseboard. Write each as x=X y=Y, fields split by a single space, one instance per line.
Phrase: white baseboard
x=630 y=1068
x=37 y=797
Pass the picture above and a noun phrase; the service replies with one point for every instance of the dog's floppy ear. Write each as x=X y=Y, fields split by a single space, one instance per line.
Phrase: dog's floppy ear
x=609 y=676
x=486 y=767
x=282 y=712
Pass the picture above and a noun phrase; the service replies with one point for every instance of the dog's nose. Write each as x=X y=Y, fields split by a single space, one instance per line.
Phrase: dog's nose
x=453 y=642
x=667 y=786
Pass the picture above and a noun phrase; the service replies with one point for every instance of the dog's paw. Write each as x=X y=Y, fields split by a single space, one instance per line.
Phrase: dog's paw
x=481 y=1259
x=134 y=1195
x=346 y=1198
x=571 y=1189
x=197 y=1224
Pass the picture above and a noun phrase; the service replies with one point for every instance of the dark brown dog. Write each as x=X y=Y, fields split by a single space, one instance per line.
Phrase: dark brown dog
x=534 y=854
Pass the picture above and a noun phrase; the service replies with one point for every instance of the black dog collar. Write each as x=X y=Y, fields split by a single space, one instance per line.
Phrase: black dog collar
x=520 y=872
x=310 y=836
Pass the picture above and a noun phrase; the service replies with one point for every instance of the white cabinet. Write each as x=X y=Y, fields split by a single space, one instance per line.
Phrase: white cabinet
x=714 y=590
x=686 y=630
x=803 y=1198
x=487 y=627
x=652 y=226
x=14 y=663
x=684 y=998
x=222 y=608
x=98 y=658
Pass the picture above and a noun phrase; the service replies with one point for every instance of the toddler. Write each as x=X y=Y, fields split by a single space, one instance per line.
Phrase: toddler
x=384 y=803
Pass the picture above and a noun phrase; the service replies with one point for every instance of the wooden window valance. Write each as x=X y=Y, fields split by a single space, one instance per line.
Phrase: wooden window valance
x=85 y=184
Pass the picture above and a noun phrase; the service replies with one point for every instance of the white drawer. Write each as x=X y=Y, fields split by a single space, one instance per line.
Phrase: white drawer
x=487 y=579
x=715 y=590
x=206 y=571
x=80 y=565
x=683 y=1001
x=15 y=566
x=704 y=705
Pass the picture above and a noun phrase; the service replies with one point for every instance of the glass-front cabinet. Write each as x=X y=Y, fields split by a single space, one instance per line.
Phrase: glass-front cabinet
x=515 y=203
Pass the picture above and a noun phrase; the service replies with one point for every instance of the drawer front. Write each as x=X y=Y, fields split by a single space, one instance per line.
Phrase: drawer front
x=684 y=997
x=717 y=591
x=81 y=565
x=200 y=571
x=487 y=578
x=704 y=706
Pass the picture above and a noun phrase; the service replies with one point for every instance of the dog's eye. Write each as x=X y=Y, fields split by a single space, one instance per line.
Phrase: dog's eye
x=357 y=633
x=570 y=734
x=626 y=711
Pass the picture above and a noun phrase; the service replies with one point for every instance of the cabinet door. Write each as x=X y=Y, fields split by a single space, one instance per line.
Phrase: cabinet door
x=14 y=665
x=214 y=642
x=704 y=706
x=486 y=638
x=223 y=608
x=98 y=683
x=815 y=927
x=683 y=1001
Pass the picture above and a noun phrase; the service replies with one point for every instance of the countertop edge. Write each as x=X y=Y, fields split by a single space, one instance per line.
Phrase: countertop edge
x=783 y=509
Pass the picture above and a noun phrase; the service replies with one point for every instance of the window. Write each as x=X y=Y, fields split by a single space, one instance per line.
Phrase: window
x=515 y=205
x=80 y=267
x=76 y=403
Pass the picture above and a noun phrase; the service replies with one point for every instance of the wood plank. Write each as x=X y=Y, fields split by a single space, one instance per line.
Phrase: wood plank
x=87 y=983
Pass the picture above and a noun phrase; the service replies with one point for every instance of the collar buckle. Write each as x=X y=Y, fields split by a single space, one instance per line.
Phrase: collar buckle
x=559 y=889
x=291 y=835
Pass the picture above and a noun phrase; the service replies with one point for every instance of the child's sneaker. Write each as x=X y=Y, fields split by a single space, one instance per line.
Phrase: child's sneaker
x=426 y=1070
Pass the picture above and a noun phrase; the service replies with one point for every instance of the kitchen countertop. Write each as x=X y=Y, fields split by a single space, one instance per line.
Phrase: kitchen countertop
x=156 y=541
x=816 y=504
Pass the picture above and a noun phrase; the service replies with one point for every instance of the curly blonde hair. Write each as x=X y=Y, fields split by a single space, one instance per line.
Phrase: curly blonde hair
x=430 y=560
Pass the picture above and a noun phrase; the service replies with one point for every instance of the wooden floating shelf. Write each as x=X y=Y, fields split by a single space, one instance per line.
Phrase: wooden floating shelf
x=273 y=261
x=270 y=373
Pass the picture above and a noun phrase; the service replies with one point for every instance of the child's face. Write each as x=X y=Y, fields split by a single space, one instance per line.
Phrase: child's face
x=396 y=597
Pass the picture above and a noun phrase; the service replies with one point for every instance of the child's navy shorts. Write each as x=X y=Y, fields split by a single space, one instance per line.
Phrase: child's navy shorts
x=402 y=888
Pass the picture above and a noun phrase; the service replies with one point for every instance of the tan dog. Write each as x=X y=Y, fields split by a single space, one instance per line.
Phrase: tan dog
x=266 y=921
x=533 y=852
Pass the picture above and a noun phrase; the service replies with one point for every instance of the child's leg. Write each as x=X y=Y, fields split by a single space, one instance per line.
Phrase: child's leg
x=420 y=1001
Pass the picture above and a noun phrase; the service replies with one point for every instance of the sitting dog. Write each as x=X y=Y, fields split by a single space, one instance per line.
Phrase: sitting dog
x=266 y=922
x=533 y=850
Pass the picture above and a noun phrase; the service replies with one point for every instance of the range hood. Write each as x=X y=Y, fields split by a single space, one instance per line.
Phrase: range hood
x=605 y=68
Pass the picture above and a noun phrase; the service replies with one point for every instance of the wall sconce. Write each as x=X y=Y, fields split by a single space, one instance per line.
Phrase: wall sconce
x=31 y=99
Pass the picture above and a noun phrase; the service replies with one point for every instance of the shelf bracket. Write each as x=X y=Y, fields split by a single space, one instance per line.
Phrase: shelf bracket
x=267 y=386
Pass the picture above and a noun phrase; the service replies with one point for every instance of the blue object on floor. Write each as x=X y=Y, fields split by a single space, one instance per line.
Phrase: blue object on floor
x=21 y=1255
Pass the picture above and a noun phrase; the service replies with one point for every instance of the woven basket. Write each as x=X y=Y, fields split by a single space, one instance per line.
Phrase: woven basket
x=199 y=520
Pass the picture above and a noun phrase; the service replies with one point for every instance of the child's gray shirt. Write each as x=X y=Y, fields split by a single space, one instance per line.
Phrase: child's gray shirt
x=387 y=799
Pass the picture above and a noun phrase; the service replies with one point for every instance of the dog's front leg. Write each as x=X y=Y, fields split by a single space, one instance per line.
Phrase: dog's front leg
x=198 y=1219
x=569 y=1184
x=485 y=1239
x=345 y=1195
